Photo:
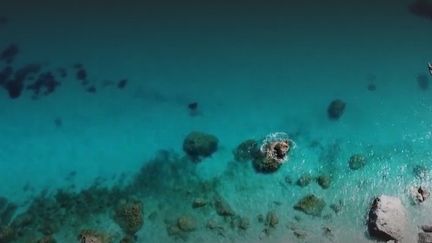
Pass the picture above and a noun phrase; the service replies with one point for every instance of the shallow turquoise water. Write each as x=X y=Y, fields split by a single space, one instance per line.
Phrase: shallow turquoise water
x=254 y=69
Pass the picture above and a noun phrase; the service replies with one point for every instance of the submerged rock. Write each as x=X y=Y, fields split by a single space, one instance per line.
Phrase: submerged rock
x=198 y=145
x=272 y=219
x=9 y=53
x=324 y=181
x=186 y=223
x=423 y=81
x=371 y=87
x=199 y=202
x=129 y=216
x=304 y=180
x=246 y=150
x=357 y=161
x=222 y=207
x=92 y=236
x=310 y=205
x=336 y=109
x=243 y=223
x=387 y=219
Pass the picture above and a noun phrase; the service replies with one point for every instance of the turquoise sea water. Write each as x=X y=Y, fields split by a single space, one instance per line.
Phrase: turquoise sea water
x=68 y=159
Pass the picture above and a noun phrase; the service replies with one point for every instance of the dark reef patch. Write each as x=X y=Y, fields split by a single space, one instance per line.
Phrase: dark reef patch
x=9 y=53
x=122 y=83
x=5 y=74
x=200 y=145
x=81 y=75
x=45 y=84
x=336 y=109
x=91 y=89
x=193 y=108
x=371 y=87
x=422 y=8
x=423 y=81
x=14 y=88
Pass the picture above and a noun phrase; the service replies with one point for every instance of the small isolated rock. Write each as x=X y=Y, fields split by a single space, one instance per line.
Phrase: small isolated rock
x=244 y=223
x=304 y=180
x=199 y=202
x=186 y=223
x=387 y=219
x=324 y=181
x=222 y=207
x=198 y=145
x=245 y=151
x=272 y=219
x=424 y=237
x=356 y=161
x=310 y=205
x=419 y=194
x=336 y=109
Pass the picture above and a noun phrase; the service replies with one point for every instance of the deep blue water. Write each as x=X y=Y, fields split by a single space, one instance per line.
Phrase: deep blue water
x=109 y=85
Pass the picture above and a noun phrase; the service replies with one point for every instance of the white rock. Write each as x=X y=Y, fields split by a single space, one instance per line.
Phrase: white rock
x=387 y=219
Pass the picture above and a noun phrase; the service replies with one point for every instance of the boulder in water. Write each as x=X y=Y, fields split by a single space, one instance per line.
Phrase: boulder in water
x=387 y=219
x=199 y=145
x=336 y=109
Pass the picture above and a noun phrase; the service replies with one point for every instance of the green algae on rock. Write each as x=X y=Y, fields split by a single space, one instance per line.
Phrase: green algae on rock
x=310 y=205
x=199 y=145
